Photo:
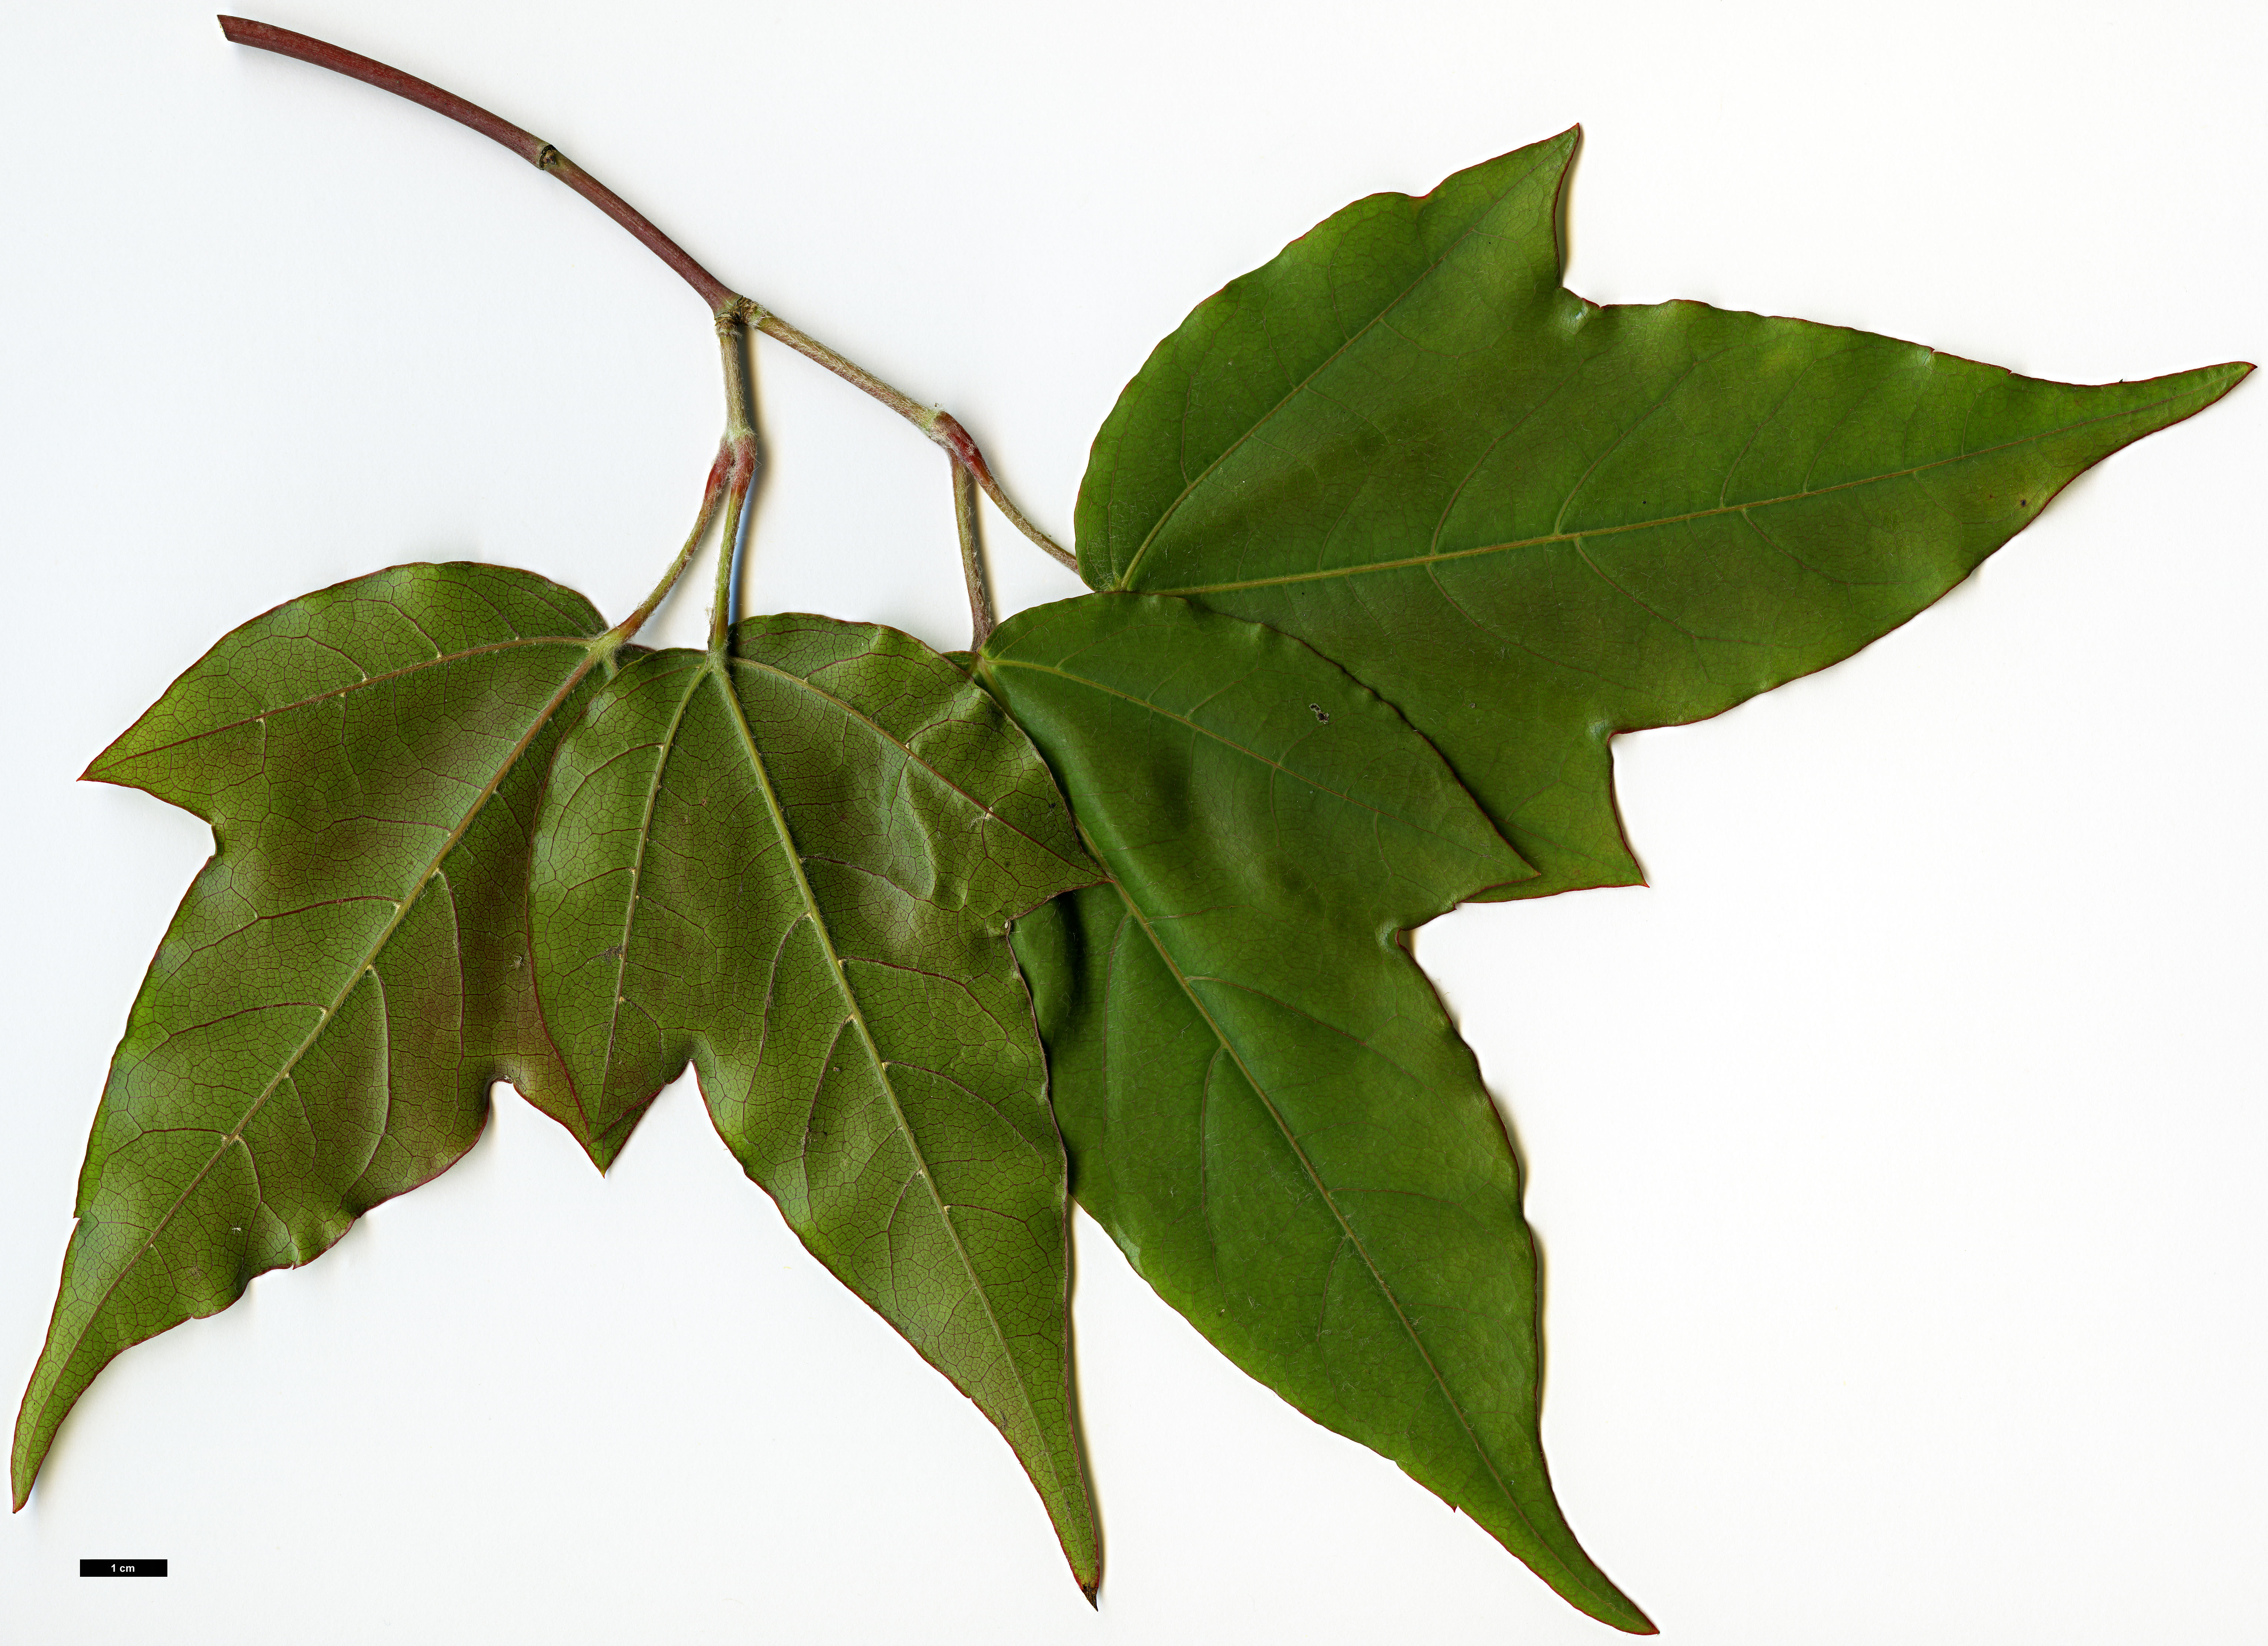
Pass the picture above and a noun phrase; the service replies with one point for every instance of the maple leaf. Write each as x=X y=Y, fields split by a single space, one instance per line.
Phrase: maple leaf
x=320 y=1028
x=1526 y=523
x=794 y=865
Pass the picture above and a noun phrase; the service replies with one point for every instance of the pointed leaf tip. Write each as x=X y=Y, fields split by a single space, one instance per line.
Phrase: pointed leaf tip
x=1529 y=522
x=1266 y=1105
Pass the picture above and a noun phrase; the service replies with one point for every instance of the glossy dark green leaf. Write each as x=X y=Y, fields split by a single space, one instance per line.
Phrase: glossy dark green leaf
x=1530 y=522
x=348 y=975
x=1267 y=1105
x=797 y=868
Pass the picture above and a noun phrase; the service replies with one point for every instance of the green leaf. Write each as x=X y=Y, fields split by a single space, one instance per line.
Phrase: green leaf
x=1529 y=522
x=1266 y=1103
x=796 y=867
x=348 y=975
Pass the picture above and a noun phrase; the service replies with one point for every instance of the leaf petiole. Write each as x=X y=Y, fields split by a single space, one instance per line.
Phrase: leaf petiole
x=713 y=494
x=972 y=555
x=730 y=479
x=738 y=452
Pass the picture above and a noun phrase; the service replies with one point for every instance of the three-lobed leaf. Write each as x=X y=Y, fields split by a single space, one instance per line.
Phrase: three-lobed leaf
x=349 y=973
x=1529 y=522
x=1267 y=1105
x=794 y=865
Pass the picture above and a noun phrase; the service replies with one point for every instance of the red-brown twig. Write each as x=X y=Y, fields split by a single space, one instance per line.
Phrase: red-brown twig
x=722 y=301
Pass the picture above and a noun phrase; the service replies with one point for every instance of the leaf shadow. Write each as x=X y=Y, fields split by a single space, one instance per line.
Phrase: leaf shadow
x=1562 y=223
x=1406 y=940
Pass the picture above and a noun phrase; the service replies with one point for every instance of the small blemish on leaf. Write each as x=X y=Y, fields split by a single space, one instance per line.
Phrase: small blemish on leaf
x=1321 y=714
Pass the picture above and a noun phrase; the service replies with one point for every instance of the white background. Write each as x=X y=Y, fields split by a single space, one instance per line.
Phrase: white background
x=1897 y=1156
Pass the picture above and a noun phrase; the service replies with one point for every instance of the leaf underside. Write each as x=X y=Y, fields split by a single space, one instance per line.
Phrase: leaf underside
x=1266 y=1105
x=1529 y=522
x=348 y=975
x=795 y=866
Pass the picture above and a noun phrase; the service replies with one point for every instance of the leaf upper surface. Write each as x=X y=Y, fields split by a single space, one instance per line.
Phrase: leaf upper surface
x=345 y=979
x=796 y=867
x=1264 y=1101
x=1530 y=522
